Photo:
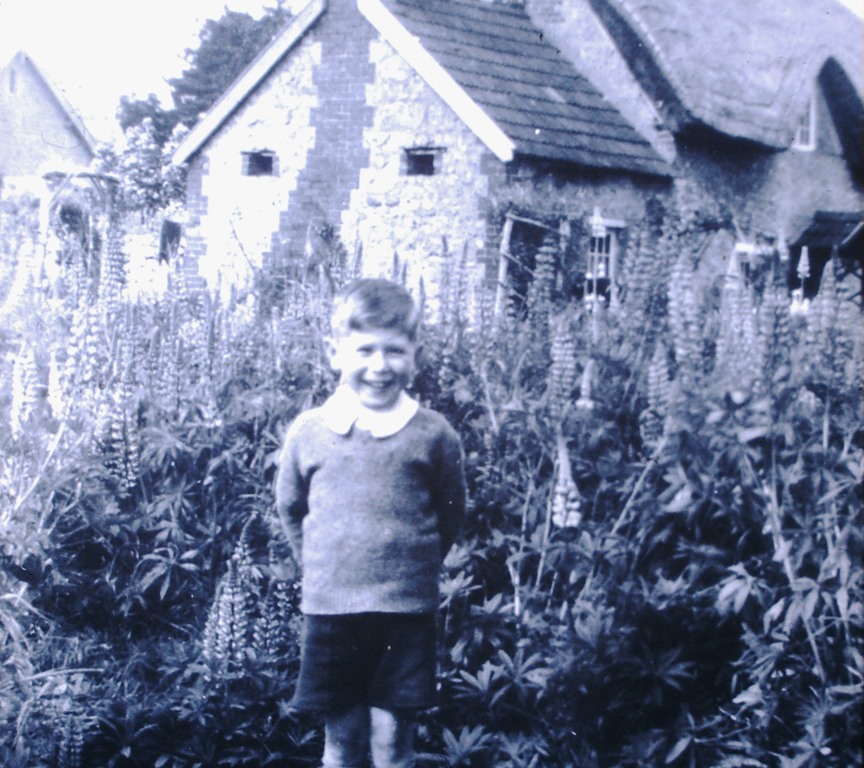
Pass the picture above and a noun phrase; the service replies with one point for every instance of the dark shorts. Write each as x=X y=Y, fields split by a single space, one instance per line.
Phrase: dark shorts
x=385 y=660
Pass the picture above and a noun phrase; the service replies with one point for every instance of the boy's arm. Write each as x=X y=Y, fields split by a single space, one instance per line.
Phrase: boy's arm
x=450 y=491
x=291 y=494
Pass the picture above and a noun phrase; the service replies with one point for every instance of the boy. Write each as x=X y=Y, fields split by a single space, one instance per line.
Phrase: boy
x=371 y=492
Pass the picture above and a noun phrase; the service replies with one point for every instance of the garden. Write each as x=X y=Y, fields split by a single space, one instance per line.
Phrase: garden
x=661 y=564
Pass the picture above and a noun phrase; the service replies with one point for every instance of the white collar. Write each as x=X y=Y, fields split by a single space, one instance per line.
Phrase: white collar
x=343 y=410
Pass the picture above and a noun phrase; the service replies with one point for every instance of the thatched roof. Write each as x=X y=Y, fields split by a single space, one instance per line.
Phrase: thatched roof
x=525 y=85
x=745 y=68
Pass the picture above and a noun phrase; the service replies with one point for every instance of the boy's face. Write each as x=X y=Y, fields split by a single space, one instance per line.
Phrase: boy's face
x=377 y=364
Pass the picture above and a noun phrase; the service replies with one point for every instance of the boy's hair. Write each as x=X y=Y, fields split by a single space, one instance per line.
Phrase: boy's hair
x=374 y=303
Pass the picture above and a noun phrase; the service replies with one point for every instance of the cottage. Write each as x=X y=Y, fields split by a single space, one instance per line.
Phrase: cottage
x=758 y=104
x=40 y=129
x=435 y=131
x=46 y=187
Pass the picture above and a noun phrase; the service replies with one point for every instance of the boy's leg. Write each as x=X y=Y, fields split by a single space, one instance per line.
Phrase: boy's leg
x=346 y=738
x=392 y=738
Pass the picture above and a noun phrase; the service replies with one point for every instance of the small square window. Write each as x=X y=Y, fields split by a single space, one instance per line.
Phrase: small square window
x=422 y=161
x=259 y=163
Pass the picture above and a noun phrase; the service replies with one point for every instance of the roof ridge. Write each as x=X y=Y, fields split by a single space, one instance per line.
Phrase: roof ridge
x=484 y=66
x=62 y=100
x=248 y=80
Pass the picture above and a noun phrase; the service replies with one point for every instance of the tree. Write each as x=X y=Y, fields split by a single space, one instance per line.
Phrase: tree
x=227 y=46
x=133 y=112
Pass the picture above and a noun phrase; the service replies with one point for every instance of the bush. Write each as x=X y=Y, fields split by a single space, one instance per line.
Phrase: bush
x=662 y=564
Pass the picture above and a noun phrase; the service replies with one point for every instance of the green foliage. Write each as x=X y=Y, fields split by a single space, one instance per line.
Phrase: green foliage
x=226 y=46
x=662 y=565
x=150 y=182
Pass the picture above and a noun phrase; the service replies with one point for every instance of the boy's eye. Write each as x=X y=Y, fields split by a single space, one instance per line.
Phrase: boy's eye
x=367 y=350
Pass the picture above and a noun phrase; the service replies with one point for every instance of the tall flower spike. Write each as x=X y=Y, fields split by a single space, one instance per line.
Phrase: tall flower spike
x=774 y=335
x=114 y=277
x=737 y=360
x=684 y=321
x=71 y=743
x=566 y=503
x=543 y=283
x=25 y=384
x=562 y=372
x=56 y=393
x=824 y=332
x=652 y=421
x=585 y=401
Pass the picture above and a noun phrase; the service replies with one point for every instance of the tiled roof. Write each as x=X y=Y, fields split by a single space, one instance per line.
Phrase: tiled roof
x=522 y=82
x=743 y=67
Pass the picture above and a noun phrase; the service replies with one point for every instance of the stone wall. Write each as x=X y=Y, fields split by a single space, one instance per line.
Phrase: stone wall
x=427 y=222
x=234 y=219
x=339 y=112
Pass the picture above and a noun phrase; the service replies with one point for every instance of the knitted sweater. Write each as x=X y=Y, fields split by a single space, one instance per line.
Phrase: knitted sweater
x=369 y=519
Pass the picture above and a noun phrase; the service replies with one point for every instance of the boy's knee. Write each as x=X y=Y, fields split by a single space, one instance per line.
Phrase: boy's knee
x=343 y=755
x=345 y=739
x=392 y=739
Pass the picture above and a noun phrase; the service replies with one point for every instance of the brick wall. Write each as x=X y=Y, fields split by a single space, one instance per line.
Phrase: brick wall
x=194 y=245
x=337 y=121
x=339 y=112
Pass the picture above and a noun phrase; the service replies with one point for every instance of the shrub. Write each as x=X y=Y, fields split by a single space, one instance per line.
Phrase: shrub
x=662 y=564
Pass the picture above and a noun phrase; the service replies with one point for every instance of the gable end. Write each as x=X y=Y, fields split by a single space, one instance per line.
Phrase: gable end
x=248 y=81
x=410 y=49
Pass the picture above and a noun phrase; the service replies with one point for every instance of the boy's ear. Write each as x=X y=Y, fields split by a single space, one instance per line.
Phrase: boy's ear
x=331 y=349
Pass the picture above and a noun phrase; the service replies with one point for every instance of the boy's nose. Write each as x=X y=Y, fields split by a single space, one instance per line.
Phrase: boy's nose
x=378 y=361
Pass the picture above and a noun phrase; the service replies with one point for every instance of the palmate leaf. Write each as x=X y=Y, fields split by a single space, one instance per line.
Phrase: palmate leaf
x=469 y=742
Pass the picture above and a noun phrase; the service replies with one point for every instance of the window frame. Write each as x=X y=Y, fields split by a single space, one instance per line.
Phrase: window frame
x=252 y=157
x=414 y=160
x=805 y=130
x=608 y=232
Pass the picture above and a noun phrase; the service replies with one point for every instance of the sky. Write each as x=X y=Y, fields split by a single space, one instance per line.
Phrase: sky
x=100 y=50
